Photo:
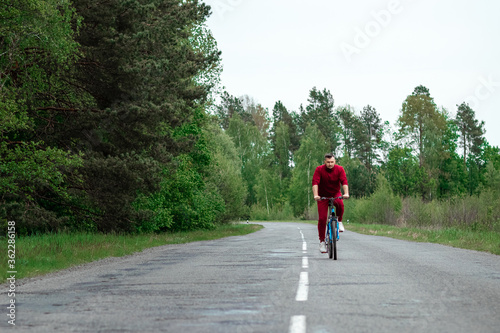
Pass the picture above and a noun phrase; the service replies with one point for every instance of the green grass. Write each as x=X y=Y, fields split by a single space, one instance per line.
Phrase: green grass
x=485 y=241
x=478 y=240
x=42 y=254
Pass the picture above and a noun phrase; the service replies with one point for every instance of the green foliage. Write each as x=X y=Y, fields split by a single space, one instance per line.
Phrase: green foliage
x=229 y=107
x=462 y=238
x=452 y=176
x=320 y=112
x=31 y=25
x=184 y=201
x=282 y=149
x=25 y=168
x=37 y=46
x=251 y=147
x=403 y=172
x=310 y=155
x=104 y=127
x=420 y=121
x=492 y=178
x=289 y=132
x=471 y=131
x=95 y=105
x=206 y=188
x=350 y=129
x=224 y=172
x=381 y=207
x=467 y=212
x=279 y=212
x=361 y=181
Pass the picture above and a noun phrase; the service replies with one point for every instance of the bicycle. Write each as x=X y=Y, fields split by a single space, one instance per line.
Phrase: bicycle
x=332 y=229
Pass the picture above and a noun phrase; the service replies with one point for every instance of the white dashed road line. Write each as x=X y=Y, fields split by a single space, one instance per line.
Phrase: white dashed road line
x=297 y=324
x=303 y=289
x=305 y=262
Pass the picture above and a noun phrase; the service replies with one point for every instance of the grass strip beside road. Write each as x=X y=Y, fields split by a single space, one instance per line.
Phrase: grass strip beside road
x=42 y=254
x=478 y=240
x=485 y=241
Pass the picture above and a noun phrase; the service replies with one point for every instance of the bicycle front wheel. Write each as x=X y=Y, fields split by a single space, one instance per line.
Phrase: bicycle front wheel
x=329 y=240
x=334 y=239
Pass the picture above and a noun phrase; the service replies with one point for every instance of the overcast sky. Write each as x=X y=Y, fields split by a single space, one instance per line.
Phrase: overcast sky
x=365 y=52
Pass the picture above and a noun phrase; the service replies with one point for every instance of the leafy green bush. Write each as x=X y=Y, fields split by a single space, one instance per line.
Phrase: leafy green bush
x=381 y=207
x=277 y=213
x=184 y=202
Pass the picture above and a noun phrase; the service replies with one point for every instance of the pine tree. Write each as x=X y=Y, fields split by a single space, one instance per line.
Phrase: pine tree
x=471 y=131
x=320 y=112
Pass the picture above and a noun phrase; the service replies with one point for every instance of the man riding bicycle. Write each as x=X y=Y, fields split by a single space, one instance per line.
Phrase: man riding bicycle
x=326 y=182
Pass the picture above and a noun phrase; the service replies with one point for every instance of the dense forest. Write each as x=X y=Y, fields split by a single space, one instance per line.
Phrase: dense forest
x=112 y=119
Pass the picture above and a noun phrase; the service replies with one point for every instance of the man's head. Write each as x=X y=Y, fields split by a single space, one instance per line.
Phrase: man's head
x=329 y=160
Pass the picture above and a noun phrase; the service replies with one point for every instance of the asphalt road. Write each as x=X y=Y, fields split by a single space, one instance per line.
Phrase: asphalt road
x=274 y=280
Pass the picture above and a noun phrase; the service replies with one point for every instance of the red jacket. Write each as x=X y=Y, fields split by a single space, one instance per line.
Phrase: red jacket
x=329 y=180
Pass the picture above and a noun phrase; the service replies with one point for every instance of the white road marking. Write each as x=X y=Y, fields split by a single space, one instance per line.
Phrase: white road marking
x=304 y=243
x=297 y=324
x=303 y=288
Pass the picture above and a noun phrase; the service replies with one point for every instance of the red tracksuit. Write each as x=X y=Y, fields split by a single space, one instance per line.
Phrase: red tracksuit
x=329 y=182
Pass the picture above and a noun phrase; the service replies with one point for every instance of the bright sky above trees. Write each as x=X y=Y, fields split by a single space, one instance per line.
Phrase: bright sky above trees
x=365 y=52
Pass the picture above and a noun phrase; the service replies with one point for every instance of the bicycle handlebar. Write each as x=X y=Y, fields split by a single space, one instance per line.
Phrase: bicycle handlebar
x=334 y=198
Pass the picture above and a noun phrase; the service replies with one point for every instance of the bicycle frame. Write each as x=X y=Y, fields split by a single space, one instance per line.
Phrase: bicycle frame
x=333 y=217
x=332 y=230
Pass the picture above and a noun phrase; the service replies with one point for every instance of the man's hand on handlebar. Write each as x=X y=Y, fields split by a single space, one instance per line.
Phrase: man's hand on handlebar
x=317 y=198
x=345 y=196
x=329 y=198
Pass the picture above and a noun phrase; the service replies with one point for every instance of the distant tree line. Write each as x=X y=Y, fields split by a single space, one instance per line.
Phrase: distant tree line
x=430 y=154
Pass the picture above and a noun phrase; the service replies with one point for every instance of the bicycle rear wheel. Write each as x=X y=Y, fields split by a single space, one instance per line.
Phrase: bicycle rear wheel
x=334 y=238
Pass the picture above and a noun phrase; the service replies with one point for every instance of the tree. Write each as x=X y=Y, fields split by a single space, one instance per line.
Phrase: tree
x=320 y=112
x=228 y=107
x=282 y=150
x=452 y=177
x=142 y=65
x=419 y=117
x=267 y=189
x=258 y=113
x=403 y=172
x=313 y=147
x=373 y=130
x=224 y=172
x=349 y=123
x=204 y=42
x=358 y=177
x=492 y=178
x=492 y=154
x=114 y=100
x=281 y=115
x=252 y=147
x=471 y=131
x=37 y=47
